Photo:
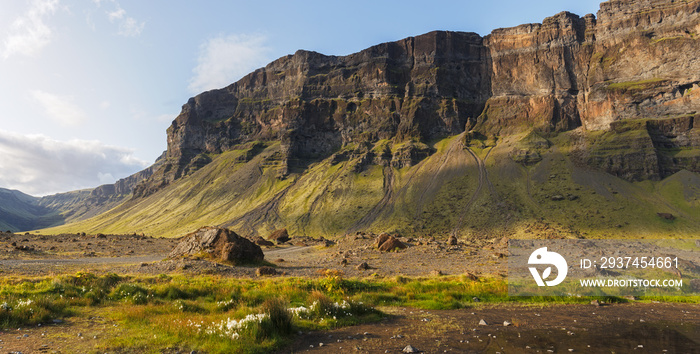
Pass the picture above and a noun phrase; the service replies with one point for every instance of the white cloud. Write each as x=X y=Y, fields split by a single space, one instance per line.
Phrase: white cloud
x=29 y=33
x=117 y=14
x=38 y=165
x=60 y=108
x=225 y=59
x=128 y=26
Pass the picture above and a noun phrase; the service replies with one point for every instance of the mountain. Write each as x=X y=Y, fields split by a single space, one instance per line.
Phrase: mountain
x=578 y=126
x=22 y=212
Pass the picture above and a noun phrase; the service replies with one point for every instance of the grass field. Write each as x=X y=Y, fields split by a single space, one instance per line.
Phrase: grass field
x=220 y=315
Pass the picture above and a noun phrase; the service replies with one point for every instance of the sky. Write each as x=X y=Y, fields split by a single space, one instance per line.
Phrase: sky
x=88 y=87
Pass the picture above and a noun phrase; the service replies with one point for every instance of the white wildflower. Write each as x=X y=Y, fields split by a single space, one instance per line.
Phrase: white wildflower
x=22 y=303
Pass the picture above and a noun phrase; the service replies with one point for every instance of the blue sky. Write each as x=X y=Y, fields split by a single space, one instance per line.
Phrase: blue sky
x=88 y=87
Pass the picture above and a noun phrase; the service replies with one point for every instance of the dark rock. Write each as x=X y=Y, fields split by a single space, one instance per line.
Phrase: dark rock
x=471 y=276
x=667 y=216
x=381 y=239
x=265 y=271
x=279 y=236
x=452 y=240
x=391 y=244
x=218 y=244
x=363 y=266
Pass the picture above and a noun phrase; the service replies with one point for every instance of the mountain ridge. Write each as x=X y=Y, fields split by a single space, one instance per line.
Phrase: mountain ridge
x=23 y=212
x=469 y=118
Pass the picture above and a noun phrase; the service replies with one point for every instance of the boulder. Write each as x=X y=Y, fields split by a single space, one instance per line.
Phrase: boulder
x=381 y=239
x=279 y=236
x=218 y=244
x=391 y=244
x=452 y=240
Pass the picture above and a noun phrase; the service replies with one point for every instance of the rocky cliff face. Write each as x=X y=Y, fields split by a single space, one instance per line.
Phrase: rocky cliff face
x=636 y=60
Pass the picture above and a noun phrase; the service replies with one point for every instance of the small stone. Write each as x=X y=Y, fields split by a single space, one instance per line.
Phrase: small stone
x=265 y=270
x=320 y=345
x=483 y=323
x=410 y=349
x=452 y=240
x=595 y=303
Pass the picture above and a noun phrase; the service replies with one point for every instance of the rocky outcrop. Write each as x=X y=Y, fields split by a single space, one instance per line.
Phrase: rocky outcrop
x=218 y=244
x=279 y=236
x=419 y=88
x=568 y=72
x=387 y=243
x=125 y=186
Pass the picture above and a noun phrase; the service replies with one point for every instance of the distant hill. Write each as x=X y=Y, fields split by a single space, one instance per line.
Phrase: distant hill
x=19 y=211
x=22 y=212
x=575 y=127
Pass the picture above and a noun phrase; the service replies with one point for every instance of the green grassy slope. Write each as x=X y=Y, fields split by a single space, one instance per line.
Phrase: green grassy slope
x=478 y=192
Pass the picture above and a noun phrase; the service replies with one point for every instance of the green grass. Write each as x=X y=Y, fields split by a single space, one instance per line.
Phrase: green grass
x=219 y=315
x=639 y=85
x=325 y=199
